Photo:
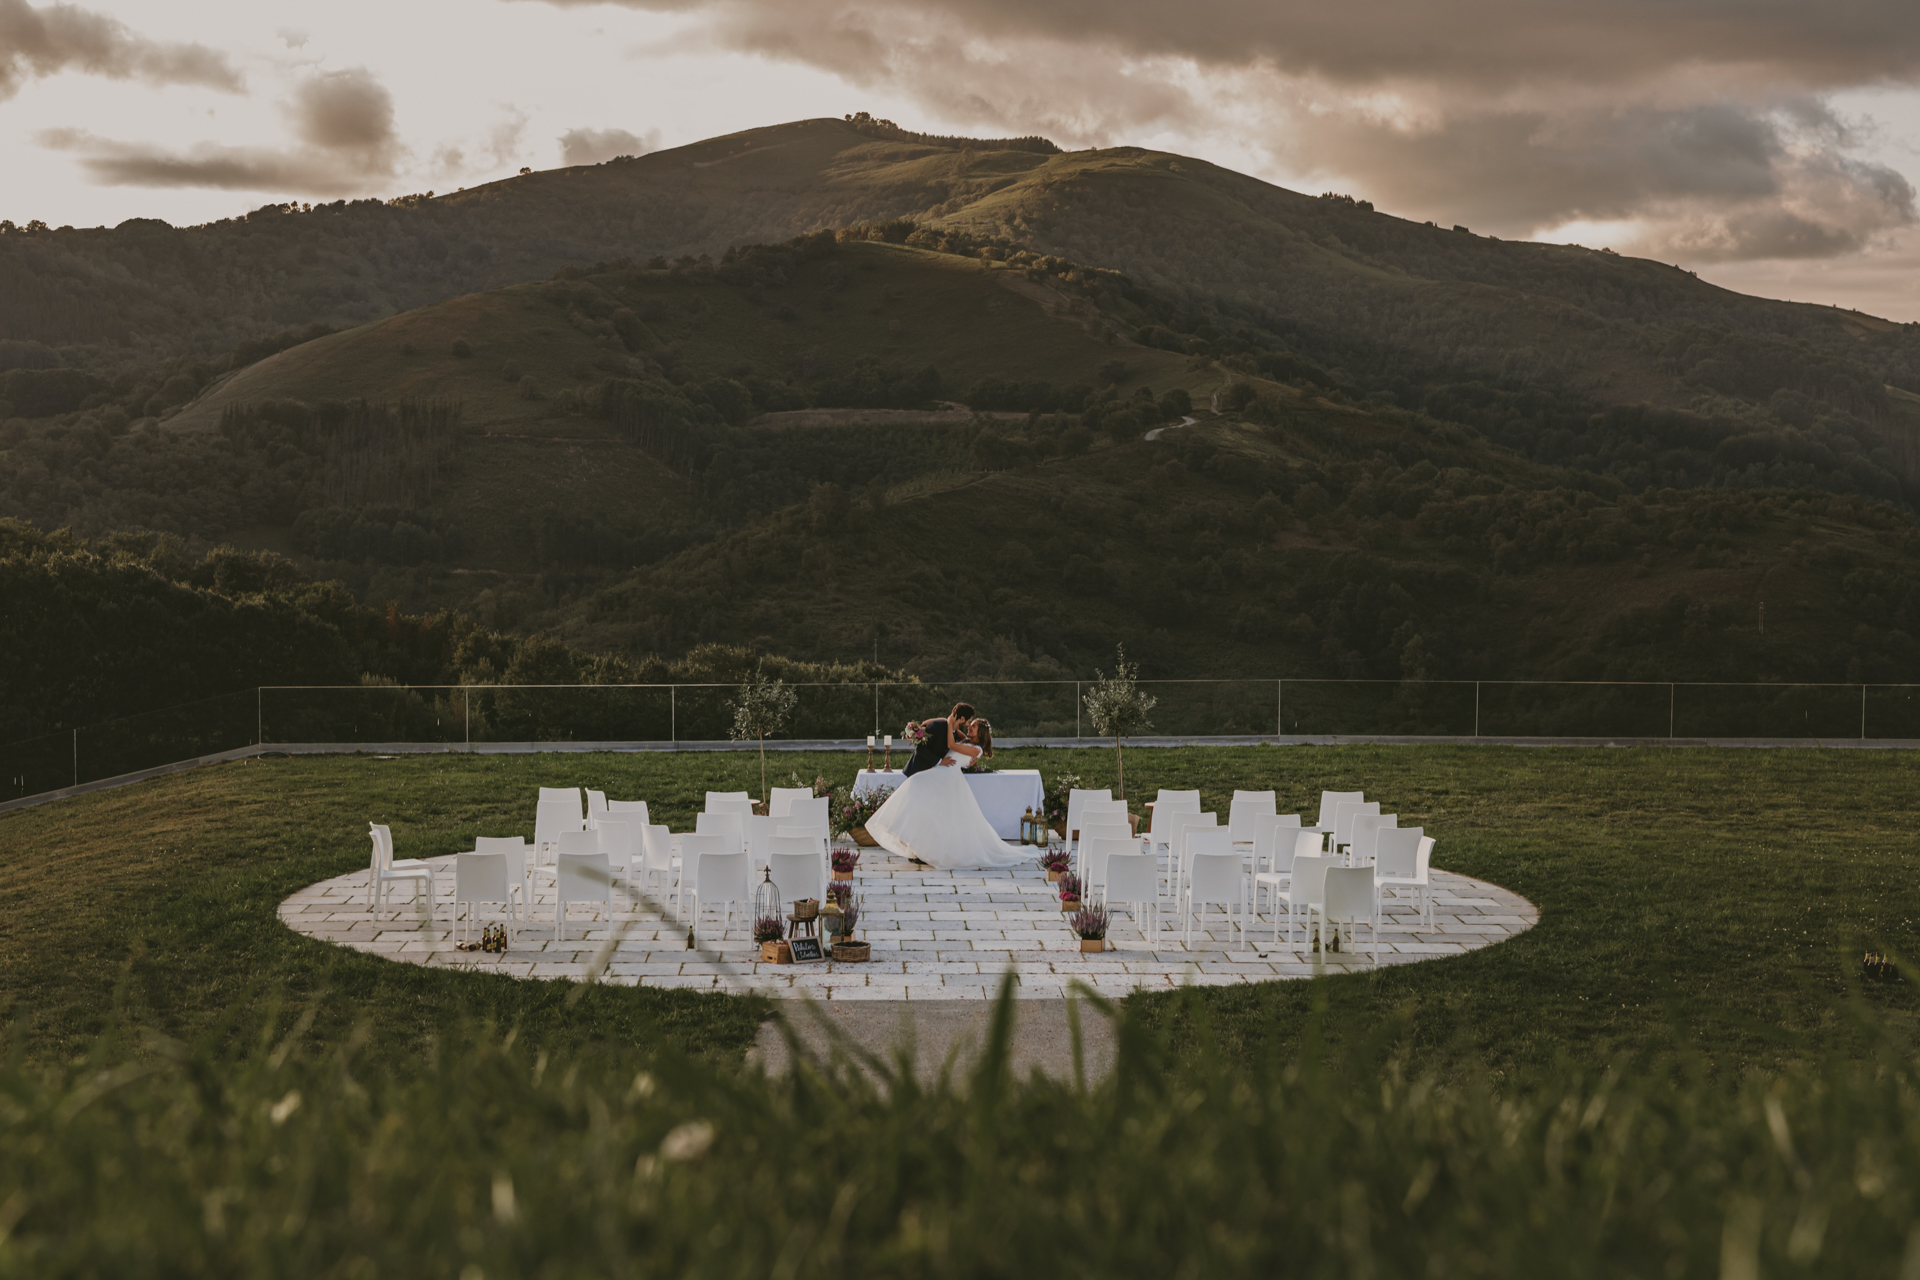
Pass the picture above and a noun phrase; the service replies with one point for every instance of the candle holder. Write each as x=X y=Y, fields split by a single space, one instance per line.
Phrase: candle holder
x=888 y=766
x=869 y=753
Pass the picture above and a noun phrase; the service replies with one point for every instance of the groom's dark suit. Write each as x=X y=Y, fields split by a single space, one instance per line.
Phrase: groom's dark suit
x=929 y=753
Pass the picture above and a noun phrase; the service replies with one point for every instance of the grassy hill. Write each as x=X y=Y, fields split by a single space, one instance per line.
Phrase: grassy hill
x=888 y=305
x=641 y=458
x=1379 y=296
x=1419 y=451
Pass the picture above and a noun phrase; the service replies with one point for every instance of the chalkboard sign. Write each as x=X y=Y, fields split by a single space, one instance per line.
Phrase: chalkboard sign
x=807 y=951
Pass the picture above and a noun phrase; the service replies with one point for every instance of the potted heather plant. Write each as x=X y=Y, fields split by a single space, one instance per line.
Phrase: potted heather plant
x=1055 y=861
x=844 y=862
x=770 y=932
x=845 y=947
x=1091 y=924
x=1069 y=892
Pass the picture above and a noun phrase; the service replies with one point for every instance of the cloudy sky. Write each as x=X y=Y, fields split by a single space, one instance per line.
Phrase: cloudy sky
x=1772 y=145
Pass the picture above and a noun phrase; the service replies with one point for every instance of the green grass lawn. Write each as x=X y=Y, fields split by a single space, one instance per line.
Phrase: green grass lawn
x=1714 y=901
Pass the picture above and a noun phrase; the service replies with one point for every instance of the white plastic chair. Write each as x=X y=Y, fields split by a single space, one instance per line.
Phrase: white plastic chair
x=1289 y=843
x=1365 y=832
x=1273 y=845
x=1215 y=878
x=1096 y=813
x=1166 y=810
x=596 y=806
x=758 y=831
x=1401 y=863
x=695 y=849
x=632 y=811
x=656 y=851
x=1101 y=845
x=1304 y=892
x=1343 y=818
x=1076 y=800
x=618 y=841
x=384 y=872
x=1330 y=802
x=782 y=797
x=720 y=879
x=580 y=877
x=1349 y=900
x=1133 y=878
x=728 y=826
x=1183 y=825
x=484 y=878
x=551 y=820
x=514 y=850
x=1104 y=828
x=1247 y=808
x=811 y=812
x=565 y=795
x=727 y=795
x=811 y=817
x=794 y=865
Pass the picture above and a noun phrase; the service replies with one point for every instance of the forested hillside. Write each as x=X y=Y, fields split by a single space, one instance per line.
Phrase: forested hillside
x=921 y=432
x=130 y=623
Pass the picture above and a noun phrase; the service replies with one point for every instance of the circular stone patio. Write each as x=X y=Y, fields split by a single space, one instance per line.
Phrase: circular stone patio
x=936 y=935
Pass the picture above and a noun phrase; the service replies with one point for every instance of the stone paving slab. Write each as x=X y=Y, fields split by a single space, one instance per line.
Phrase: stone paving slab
x=935 y=936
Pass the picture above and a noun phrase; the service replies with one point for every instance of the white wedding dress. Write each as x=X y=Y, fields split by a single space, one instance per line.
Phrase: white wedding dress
x=934 y=817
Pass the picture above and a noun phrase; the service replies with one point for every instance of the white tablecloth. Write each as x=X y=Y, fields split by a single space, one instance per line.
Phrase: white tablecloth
x=865 y=781
x=1004 y=797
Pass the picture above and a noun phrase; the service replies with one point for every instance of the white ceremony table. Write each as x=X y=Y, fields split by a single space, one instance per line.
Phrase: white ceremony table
x=1004 y=796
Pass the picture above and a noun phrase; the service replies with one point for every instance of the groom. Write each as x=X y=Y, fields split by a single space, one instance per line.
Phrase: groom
x=939 y=739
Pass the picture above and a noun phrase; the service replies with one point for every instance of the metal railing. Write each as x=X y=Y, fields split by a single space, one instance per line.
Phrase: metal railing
x=475 y=715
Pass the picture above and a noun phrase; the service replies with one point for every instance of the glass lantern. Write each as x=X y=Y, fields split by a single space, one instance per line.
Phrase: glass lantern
x=766 y=900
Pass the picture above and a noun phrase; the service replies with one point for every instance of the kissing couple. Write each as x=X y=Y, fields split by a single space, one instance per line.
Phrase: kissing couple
x=933 y=817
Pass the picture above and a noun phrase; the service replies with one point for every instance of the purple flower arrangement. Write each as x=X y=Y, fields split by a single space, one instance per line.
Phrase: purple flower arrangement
x=853 y=811
x=1069 y=889
x=845 y=859
x=1091 y=924
x=1054 y=859
x=769 y=929
x=841 y=894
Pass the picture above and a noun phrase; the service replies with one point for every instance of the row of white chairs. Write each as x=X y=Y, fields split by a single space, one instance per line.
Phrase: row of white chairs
x=1208 y=865
x=594 y=845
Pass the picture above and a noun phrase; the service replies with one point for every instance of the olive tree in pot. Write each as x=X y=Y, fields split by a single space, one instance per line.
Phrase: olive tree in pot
x=1117 y=708
x=760 y=710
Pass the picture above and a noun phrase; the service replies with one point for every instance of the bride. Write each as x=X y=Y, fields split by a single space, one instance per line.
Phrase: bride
x=933 y=817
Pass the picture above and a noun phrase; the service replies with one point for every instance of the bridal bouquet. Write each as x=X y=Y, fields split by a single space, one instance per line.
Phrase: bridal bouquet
x=915 y=733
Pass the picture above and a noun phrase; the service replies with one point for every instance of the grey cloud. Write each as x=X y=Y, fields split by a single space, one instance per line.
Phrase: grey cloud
x=134 y=164
x=504 y=141
x=1702 y=120
x=345 y=111
x=591 y=146
x=1712 y=182
x=344 y=121
x=60 y=37
x=1480 y=43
